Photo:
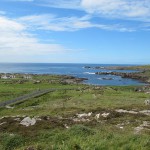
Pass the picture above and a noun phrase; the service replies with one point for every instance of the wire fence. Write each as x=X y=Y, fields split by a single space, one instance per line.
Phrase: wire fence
x=29 y=96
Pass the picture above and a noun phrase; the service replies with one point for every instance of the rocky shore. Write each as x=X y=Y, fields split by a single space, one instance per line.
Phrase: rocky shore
x=141 y=72
x=39 y=78
x=141 y=76
x=71 y=80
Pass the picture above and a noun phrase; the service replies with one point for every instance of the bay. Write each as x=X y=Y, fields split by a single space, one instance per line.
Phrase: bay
x=77 y=70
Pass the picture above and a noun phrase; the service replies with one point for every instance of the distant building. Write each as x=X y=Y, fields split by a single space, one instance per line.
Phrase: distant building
x=12 y=76
x=5 y=77
x=8 y=76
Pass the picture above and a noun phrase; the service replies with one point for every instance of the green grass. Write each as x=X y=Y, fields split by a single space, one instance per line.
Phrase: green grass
x=81 y=137
x=137 y=67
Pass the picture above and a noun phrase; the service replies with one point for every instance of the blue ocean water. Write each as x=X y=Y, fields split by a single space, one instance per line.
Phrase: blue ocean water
x=76 y=70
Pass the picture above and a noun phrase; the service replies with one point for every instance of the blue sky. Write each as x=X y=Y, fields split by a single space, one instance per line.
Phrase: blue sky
x=75 y=31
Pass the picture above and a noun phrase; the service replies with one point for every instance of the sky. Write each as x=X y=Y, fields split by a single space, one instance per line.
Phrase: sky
x=75 y=31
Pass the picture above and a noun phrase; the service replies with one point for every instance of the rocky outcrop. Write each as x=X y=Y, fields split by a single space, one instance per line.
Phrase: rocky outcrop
x=71 y=80
x=137 y=76
x=145 y=89
x=87 y=67
x=98 y=67
x=107 y=78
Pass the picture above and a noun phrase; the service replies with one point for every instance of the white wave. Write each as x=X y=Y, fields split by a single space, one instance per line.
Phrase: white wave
x=89 y=72
x=100 y=78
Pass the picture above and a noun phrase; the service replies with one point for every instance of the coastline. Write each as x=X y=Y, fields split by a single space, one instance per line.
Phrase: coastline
x=75 y=70
x=142 y=75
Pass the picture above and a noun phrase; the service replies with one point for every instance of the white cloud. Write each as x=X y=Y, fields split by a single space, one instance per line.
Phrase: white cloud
x=68 y=4
x=16 y=41
x=10 y=25
x=123 y=9
x=54 y=23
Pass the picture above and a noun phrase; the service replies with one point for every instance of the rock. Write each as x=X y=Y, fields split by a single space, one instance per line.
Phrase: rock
x=145 y=125
x=147 y=102
x=145 y=89
x=126 y=111
x=89 y=114
x=148 y=92
x=87 y=67
x=81 y=120
x=148 y=81
x=28 y=121
x=121 y=126
x=66 y=126
x=71 y=80
x=36 y=82
x=138 y=130
x=67 y=81
x=105 y=115
x=20 y=82
x=45 y=118
x=2 y=118
x=17 y=119
x=84 y=115
x=97 y=116
x=145 y=112
x=9 y=107
x=2 y=123
x=107 y=78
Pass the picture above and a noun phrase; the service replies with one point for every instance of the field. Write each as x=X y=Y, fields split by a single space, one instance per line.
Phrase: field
x=83 y=118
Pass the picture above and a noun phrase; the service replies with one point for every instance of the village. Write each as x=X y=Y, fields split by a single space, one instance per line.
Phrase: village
x=15 y=76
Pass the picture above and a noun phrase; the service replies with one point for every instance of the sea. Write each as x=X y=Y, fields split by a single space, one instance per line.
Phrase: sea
x=76 y=70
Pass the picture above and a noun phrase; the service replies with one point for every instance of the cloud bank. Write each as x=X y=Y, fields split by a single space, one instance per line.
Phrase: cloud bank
x=16 y=41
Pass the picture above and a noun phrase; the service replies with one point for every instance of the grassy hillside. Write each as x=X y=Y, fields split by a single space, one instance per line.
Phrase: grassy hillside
x=58 y=125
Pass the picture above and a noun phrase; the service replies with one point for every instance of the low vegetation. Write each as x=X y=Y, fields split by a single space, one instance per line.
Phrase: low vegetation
x=84 y=118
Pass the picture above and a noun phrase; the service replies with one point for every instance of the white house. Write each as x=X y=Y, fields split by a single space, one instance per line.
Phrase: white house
x=8 y=76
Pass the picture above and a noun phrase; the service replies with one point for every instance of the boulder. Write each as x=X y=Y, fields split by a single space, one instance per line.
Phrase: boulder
x=28 y=121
